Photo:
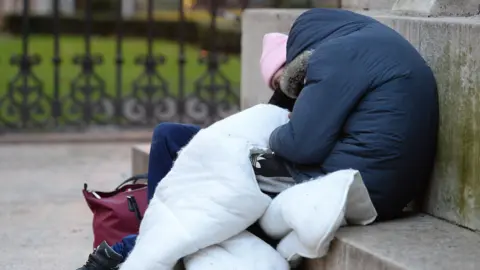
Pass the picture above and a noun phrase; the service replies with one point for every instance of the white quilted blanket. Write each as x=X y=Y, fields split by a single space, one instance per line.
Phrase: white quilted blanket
x=202 y=207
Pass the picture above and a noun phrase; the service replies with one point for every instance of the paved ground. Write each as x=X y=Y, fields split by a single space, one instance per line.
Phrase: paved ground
x=44 y=221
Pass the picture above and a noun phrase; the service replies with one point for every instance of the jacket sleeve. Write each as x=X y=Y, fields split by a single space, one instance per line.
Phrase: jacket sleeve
x=335 y=84
x=281 y=100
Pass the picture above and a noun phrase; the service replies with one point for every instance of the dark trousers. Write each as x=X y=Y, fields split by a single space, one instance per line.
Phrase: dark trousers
x=167 y=140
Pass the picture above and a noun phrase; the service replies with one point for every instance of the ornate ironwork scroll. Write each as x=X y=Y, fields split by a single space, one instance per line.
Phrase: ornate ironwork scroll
x=213 y=97
x=88 y=103
x=25 y=105
x=150 y=102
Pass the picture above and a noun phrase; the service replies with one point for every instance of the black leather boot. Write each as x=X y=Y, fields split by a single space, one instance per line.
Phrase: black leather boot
x=103 y=258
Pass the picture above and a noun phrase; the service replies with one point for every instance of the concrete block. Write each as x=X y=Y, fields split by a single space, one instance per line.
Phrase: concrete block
x=140 y=154
x=416 y=243
x=438 y=7
x=450 y=46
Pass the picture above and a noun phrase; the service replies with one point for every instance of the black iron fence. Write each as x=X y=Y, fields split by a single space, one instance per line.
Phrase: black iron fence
x=150 y=98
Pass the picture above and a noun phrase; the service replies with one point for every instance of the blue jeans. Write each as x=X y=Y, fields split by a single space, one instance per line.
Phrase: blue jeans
x=167 y=140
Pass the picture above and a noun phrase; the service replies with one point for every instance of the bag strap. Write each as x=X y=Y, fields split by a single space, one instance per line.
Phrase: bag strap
x=133 y=179
x=133 y=207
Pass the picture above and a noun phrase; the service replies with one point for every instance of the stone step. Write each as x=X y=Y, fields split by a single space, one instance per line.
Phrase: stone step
x=140 y=153
x=419 y=242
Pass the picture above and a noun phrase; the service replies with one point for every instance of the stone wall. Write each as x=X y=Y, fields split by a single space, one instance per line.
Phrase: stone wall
x=368 y=4
x=327 y=3
x=437 y=7
x=450 y=46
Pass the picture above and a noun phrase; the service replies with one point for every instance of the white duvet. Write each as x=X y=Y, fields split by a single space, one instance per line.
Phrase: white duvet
x=201 y=209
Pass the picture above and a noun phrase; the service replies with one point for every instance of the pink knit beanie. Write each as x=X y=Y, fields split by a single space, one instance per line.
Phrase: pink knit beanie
x=274 y=55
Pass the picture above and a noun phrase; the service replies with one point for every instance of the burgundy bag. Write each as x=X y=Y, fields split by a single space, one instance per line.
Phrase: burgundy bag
x=118 y=213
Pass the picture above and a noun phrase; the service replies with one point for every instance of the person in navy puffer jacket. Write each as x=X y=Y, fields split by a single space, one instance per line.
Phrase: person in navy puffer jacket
x=365 y=99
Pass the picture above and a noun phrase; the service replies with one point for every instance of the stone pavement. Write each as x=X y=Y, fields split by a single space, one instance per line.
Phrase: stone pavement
x=45 y=223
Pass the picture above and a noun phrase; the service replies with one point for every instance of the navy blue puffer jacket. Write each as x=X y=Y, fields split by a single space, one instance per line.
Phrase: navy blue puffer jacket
x=369 y=103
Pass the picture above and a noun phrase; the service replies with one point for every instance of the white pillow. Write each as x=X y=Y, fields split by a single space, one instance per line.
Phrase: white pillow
x=307 y=216
x=244 y=251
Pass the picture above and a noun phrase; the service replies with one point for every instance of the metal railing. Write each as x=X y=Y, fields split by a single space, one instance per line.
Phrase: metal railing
x=147 y=100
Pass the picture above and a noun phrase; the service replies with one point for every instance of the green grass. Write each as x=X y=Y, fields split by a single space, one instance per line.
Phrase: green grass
x=105 y=46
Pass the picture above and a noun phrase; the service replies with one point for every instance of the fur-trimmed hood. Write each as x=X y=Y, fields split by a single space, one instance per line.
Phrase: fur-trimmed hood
x=320 y=25
x=293 y=77
x=312 y=28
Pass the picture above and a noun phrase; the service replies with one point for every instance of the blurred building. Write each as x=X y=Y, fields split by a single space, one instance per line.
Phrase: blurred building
x=130 y=7
x=36 y=6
